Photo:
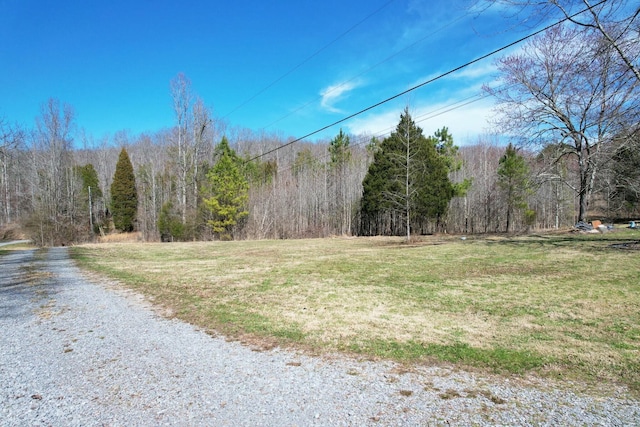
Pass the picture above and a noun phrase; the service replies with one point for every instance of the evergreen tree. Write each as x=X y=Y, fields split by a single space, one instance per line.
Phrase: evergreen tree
x=406 y=184
x=340 y=157
x=90 y=194
x=449 y=152
x=229 y=190
x=89 y=178
x=513 y=179
x=625 y=195
x=305 y=160
x=261 y=172
x=376 y=215
x=170 y=226
x=339 y=149
x=124 y=196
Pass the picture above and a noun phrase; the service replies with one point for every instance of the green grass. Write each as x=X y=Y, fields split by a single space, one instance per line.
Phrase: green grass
x=559 y=304
x=7 y=249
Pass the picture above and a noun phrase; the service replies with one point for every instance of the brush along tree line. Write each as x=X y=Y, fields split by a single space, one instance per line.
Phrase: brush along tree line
x=567 y=102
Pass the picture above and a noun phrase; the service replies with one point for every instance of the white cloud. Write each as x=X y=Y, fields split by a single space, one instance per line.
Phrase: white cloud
x=375 y=124
x=477 y=74
x=465 y=122
x=482 y=70
x=332 y=94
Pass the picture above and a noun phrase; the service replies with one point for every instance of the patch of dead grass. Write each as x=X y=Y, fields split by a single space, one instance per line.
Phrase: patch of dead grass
x=531 y=295
x=121 y=238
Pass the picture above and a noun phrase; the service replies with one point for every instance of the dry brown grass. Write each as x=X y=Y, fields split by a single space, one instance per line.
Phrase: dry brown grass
x=12 y=232
x=567 y=304
x=121 y=238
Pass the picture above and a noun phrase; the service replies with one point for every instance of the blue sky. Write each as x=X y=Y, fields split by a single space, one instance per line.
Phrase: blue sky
x=319 y=62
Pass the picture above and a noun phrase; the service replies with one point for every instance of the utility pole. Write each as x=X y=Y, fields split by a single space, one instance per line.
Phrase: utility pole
x=90 y=211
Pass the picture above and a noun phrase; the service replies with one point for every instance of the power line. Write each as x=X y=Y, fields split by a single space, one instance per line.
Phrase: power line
x=361 y=140
x=313 y=55
x=388 y=58
x=440 y=76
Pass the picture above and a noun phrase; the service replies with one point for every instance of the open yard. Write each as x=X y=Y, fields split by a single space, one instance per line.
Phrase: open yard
x=562 y=305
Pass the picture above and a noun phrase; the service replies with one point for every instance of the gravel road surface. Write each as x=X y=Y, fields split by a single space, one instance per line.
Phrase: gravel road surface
x=77 y=353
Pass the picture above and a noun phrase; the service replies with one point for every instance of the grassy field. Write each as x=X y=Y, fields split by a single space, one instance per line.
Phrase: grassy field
x=565 y=305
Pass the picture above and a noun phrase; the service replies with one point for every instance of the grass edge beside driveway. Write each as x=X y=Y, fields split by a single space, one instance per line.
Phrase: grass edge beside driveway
x=560 y=305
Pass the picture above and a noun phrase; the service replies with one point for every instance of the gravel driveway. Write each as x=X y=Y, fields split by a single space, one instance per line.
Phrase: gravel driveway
x=73 y=352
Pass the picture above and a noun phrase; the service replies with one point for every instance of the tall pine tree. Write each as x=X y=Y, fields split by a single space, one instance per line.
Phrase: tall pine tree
x=340 y=157
x=406 y=185
x=513 y=180
x=229 y=191
x=124 y=196
x=449 y=152
x=90 y=195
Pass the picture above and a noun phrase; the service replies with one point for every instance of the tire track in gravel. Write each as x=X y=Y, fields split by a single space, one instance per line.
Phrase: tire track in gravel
x=73 y=352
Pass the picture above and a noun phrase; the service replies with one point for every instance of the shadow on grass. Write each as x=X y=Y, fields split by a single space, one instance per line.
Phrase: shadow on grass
x=619 y=239
x=576 y=241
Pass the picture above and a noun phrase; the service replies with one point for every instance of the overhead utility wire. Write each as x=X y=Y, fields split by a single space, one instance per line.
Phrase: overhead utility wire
x=418 y=119
x=313 y=55
x=388 y=58
x=361 y=140
x=344 y=119
x=436 y=113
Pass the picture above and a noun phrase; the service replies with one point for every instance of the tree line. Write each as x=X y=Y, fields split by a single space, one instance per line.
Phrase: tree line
x=567 y=104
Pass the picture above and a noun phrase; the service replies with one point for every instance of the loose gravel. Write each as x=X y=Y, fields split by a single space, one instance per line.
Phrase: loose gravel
x=78 y=353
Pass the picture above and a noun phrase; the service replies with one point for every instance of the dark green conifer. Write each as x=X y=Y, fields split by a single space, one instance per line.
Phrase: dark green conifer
x=124 y=196
x=407 y=184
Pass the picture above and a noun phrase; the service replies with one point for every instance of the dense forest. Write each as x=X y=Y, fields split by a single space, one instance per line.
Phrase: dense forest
x=566 y=149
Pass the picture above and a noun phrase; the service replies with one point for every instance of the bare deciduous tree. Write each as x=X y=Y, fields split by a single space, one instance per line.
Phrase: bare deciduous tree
x=11 y=137
x=616 y=21
x=567 y=87
x=54 y=185
x=182 y=99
